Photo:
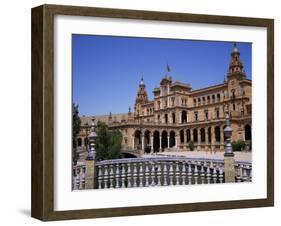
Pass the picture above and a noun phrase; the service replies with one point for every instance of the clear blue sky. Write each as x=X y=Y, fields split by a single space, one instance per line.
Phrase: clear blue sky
x=107 y=70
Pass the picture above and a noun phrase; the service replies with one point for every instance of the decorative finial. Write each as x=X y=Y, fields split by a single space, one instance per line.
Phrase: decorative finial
x=142 y=81
x=235 y=49
x=168 y=68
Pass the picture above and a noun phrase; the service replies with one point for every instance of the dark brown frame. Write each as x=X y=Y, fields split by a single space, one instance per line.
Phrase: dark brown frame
x=42 y=202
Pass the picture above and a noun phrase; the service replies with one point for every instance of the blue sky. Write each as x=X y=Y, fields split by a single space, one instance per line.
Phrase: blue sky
x=106 y=70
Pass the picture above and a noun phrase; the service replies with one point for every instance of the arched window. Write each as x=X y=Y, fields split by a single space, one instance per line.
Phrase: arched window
x=202 y=134
x=188 y=135
x=183 y=117
x=166 y=118
x=209 y=135
x=174 y=117
x=218 y=134
x=195 y=135
x=182 y=136
x=218 y=97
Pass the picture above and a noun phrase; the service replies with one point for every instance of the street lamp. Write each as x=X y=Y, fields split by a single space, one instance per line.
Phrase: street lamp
x=92 y=141
x=228 y=133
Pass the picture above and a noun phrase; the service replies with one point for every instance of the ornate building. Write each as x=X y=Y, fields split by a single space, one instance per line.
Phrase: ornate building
x=178 y=114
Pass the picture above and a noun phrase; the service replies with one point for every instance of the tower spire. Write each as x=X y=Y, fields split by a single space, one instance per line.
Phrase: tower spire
x=236 y=68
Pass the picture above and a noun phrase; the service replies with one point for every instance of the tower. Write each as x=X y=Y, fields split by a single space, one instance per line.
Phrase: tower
x=236 y=68
x=141 y=98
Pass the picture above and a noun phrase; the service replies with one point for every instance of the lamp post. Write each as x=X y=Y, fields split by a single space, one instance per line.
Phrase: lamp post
x=92 y=142
x=91 y=169
x=229 y=170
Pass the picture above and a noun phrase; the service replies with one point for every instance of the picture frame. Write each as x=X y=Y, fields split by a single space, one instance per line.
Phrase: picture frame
x=43 y=182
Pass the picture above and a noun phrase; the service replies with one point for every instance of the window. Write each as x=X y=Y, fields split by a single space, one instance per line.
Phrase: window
x=194 y=102
x=158 y=104
x=217 y=113
x=206 y=115
x=196 y=116
x=218 y=97
x=166 y=118
x=233 y=107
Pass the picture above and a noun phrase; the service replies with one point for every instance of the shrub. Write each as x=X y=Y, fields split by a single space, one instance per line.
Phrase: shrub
x=238 y=145
x=191 y=145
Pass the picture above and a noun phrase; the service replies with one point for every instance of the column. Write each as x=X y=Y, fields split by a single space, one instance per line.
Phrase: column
x=133 y=143
x=176 y=140
x=213 y=138
x=179 y=119
x=168 y=141
x=206 y=136
x=191 y=134
x=151 y=141
x=142 y=142
x=199 y=136
x=160 y=143
x=222 y=139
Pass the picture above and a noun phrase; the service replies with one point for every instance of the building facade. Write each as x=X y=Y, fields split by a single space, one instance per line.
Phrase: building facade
x=178 y=115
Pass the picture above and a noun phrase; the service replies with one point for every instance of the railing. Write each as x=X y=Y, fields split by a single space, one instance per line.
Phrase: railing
x=159 y=171
x=164 y=171
x=78 y=176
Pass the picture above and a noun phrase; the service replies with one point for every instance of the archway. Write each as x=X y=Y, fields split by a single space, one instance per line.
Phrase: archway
x=202 y=133
x=147 y=143
x=137 y=139
x=172 y=139
x=217 y=134
x=188 y=135
x=248 y=132
x=182 y=136
x=164 y=140
x=195 y=135
x=156 y=143
x=209 y=135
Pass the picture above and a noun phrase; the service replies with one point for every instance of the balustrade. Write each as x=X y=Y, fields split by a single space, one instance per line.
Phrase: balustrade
x=159 y=171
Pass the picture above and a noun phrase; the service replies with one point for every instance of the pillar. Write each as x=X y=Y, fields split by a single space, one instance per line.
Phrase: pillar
x=168 y=141
x=176 y=141
x=199 y=136
x=142 y=142
x=229 y=170
x=160 y=143
x=152 y=141
x=133 y=142
x=90 y=174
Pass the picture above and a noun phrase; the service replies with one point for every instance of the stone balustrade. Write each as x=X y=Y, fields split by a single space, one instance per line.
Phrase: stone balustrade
x=78 y=177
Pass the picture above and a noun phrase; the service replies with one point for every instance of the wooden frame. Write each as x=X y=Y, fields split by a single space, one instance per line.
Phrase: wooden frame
x=43 y=108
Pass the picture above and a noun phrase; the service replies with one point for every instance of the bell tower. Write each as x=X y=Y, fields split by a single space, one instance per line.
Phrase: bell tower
x=141 y=98
x=236 y=68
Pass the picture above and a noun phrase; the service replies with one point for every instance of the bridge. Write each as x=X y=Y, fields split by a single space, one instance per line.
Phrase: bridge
x=159 y=171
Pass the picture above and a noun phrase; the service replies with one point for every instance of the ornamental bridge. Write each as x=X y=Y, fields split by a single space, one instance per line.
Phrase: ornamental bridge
x=157 y=171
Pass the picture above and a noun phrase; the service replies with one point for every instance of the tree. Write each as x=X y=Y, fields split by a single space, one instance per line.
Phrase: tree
x=76 y=124
x=238 y=145
x=108 y=143
x=191 y=145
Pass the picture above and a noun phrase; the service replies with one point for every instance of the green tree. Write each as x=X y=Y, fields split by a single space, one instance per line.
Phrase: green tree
x=238 y=145
x=108 y=143
x=76 y=124
x=191 y=145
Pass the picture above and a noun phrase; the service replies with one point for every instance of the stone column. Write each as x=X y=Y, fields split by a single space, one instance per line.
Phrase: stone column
x=160 y=143
x=142 y=142
x=152 y=141
x=222 y=138
x=199 y=136
x=90 y=174
x=133 y=142
x=168 y=141
x=176 y=141
x=206 y=136
x=229 y=169
x=191 y=135
x=213 y=138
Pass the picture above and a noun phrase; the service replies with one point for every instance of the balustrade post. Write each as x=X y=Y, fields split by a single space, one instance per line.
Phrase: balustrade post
x=159 y=171
x=152 y=173
x=117 y=185
x=129 y=174
x=146 y=174
x=171 y=173
x=141 y=174
x=165 y=174
x=111 y=176
x=105 y=177
x=123 y=174
x=135 y=174
x=183 y=173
